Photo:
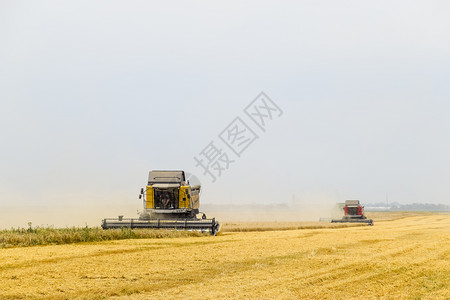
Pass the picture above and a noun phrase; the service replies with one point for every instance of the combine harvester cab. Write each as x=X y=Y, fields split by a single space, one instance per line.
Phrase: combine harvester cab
x=169 y=203
x=353 y=213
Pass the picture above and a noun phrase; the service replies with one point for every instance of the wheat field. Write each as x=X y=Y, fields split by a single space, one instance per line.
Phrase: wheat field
x=400 y=258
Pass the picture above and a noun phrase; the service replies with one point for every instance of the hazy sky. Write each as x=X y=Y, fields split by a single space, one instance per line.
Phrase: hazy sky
x=94 y=94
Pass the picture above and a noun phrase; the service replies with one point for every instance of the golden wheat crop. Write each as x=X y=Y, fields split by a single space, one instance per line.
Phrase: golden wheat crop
x=47 y=235
x=269 y=226
x=38 y=236
x=406 y=258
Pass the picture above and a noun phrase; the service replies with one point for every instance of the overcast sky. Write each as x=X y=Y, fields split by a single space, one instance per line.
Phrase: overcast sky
x=94 y=94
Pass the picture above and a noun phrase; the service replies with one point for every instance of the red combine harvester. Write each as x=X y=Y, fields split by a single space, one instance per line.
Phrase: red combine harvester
x=353 y=213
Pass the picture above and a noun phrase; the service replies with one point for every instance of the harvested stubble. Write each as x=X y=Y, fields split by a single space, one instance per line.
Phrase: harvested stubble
x=401 y=259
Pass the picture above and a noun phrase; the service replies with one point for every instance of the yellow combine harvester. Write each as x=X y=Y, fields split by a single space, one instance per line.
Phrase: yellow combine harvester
x=169 y=203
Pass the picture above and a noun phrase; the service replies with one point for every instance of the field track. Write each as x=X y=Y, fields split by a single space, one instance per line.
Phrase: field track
x=407 y=258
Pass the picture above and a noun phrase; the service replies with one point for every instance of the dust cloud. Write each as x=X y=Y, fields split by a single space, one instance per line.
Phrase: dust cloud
x=93 y=214
x=63 y=216
x=303 y=207
x=272 y=213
